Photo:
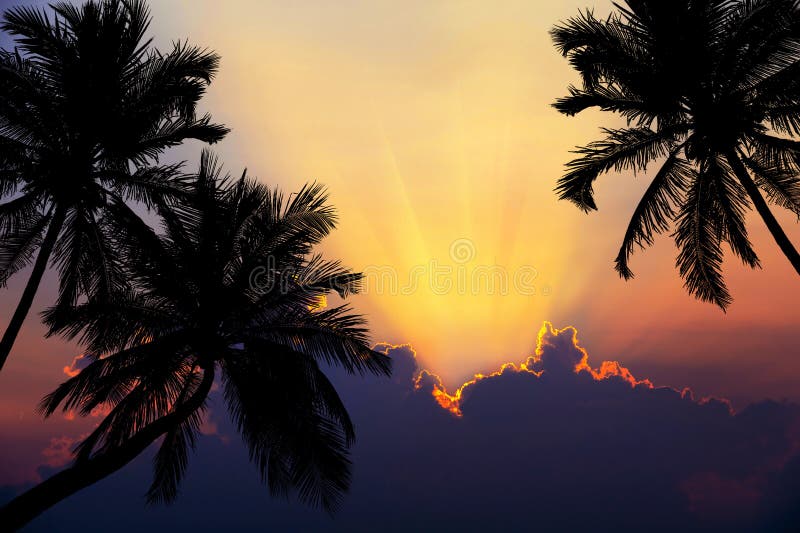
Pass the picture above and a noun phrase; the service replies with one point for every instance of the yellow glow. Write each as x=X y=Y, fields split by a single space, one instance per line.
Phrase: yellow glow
x=430 y=122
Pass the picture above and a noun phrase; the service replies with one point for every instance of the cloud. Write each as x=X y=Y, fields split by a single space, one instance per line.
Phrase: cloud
x=59 y=452
x=558 y=354
x=404 y=368
x=567 y=444
x=555 y=442
x=79 y=362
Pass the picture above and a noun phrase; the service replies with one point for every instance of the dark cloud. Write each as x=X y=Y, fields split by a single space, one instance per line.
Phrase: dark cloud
x=554 y=443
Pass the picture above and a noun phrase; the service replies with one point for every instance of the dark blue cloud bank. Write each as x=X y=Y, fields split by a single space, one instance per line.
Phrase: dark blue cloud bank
x=544 y=446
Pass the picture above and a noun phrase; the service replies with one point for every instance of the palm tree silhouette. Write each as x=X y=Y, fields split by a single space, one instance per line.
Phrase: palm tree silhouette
x=86 y=107
x=231 y=287
x=712 y=87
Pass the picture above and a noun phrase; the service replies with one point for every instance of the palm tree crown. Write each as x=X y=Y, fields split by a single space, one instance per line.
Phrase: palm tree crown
x=86 y=107
x=229 y=287
x=712 y=89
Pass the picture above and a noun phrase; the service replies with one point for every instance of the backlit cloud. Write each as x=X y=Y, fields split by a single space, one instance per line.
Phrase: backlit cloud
x=557 y=353
x=555 y=442
x=79 y=362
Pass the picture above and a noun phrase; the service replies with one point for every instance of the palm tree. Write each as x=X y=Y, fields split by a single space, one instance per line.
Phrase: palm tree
x=229 y=288
x=712 y=89
x=86 y=107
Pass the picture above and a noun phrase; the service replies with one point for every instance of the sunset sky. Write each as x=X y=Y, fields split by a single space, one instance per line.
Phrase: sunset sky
x=430 y=122
x=431 y=125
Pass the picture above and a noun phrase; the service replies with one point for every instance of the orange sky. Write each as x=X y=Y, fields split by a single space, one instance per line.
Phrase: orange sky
x=430 y=123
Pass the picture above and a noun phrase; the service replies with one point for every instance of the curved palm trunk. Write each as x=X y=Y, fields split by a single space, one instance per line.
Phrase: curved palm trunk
x=25 y=302
x=27 y=506
x=761 y=206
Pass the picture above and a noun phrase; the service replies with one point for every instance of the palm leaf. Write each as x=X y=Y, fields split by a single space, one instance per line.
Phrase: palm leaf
x=656 y=209
x=698 y=238
x=623 y=149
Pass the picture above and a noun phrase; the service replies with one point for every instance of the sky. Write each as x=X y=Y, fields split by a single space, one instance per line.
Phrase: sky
x=431 y=125
x=430 y=122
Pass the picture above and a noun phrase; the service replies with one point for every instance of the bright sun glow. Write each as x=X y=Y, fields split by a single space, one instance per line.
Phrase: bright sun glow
x=430 y=124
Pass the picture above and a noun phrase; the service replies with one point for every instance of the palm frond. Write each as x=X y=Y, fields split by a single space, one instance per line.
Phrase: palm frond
x=732 y=204
x=38 y=36
x=116 y=323
x=778 y=152
x=110 y=378
x=16 y=214
x=87 y=260
x=608 y=98
x=150 y=396
x=291 y=419
x=781 y=185
x=151 y=185
x=175 y=132
x=599 y=49
x=698 y=237
x=334 y=336
x=19 y=246
x=624 y=149
x=656 y=210
x=761 y=41
x=172 y=458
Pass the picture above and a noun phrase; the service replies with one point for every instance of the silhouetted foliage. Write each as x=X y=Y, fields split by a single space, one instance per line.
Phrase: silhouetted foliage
x=86 y=107
x=712 y=88
x=231 y=287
